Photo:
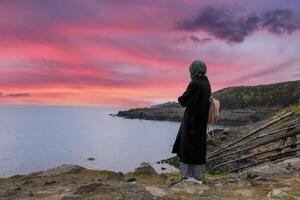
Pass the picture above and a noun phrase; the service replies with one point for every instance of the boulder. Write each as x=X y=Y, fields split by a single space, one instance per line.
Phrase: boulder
x=50 y=182
x=57 y=171
x=155 y=191
x=145 y=168
x=277 y=193
x=271 y=169
x=131 y=180
x=117 y=176
x=131 y=191
x=86 y=188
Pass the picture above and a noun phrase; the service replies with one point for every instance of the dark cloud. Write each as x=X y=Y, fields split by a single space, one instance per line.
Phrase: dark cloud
x=15 y=95
x=281 y=21
x=229 y=25
x=196 y=40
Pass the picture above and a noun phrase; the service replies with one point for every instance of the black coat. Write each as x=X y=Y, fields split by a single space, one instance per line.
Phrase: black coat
x=190 y=143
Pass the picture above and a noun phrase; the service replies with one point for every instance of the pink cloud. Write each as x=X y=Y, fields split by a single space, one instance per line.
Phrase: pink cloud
x=112 y=52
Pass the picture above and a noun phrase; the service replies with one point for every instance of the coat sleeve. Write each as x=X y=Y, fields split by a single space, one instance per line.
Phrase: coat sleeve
x=186 y=96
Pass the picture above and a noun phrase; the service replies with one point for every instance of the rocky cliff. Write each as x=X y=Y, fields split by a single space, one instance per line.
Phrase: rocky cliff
x=239 y=105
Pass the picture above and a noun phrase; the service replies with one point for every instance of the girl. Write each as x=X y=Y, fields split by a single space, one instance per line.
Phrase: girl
x=190 y=143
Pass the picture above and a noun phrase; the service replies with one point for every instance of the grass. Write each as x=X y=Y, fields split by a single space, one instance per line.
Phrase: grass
x=295 y=108
x=103 y=172
x=268 y=96
x=12 y=178
x=217 y=176
x=264 y=147
x=3 y=180
x=174 y=175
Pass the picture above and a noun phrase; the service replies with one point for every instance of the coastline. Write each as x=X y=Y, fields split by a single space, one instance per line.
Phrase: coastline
x=270 y=180
x=240 y=105
x=234 y=117
x=72 y=182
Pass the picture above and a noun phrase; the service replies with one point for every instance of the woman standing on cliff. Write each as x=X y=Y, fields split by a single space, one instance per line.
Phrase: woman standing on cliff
x=190 y=143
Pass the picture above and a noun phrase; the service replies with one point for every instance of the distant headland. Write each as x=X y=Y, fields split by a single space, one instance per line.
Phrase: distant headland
x=239 y=105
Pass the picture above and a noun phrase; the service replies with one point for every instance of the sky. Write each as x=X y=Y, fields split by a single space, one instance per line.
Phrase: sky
x=136 y=53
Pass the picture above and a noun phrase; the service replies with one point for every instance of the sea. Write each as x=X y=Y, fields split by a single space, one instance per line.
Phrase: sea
x=35 y=138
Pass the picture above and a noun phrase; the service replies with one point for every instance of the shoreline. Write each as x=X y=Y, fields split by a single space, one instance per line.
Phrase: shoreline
x=73 y=182
x=235 y=118
x=269 y=180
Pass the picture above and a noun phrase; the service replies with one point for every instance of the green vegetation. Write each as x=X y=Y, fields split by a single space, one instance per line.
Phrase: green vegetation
x=216 y=176
x=295 y=108
x=104 y=172
x=277 y=95
x=239 y=105
x=3 y=180
x=175 y=175
x=12 y=178
x=16 y=177
x=292 y=108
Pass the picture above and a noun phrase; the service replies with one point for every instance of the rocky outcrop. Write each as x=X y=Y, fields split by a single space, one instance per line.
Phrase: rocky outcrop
x=145 y=168
x=86 y=188
x=72 y=184
x=239 y=105
x=63 y=169
x=163 y=113
x=234 y=117
x=92 y=184
x=237 y=117
x=268 y=170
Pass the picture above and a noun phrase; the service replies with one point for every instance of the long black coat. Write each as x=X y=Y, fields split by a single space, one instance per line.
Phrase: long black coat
x=190 y=143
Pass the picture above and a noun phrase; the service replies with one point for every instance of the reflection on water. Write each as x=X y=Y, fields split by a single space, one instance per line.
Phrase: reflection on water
x=34 y=138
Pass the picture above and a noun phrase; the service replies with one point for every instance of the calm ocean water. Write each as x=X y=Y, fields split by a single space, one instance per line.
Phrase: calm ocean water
x=34 y=138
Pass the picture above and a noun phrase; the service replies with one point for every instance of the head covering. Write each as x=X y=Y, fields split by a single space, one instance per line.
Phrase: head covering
x=197 y=68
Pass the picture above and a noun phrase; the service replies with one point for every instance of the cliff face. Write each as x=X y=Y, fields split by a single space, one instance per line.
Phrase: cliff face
x=162 y=113
x=239 y=105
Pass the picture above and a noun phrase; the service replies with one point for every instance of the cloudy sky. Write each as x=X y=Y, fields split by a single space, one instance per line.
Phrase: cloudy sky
x=137 y=52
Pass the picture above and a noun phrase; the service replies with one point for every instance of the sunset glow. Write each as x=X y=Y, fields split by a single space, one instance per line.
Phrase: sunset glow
x=136 y=53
